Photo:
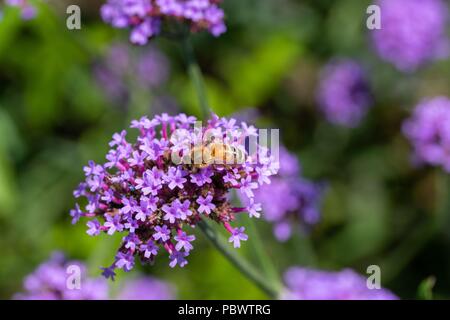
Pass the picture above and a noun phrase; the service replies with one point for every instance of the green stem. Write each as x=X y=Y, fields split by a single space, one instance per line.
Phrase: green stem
x=243 y=266
x=196 y=77
x=261 y=254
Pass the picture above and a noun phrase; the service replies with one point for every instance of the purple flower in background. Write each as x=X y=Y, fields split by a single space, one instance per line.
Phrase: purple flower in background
x=343 y=95
x=145 y=17
x=412 y=32
x=152 y=189
x=49 y=282
x=428 y=130
x=125 y=66
x=152 y=68
x=147 y=288
x=27 y=10
x=113 y=86
x=289 y=199
x=310 y=284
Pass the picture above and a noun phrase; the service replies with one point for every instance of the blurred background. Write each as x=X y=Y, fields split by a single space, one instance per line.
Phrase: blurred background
x=64 y=93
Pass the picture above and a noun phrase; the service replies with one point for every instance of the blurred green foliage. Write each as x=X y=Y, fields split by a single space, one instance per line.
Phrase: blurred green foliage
x=54 y=117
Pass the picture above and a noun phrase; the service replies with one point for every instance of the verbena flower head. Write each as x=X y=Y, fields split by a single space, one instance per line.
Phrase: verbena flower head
x=343 y=95
x=146 y=288
x=28 y=11
x=310 y=284
x=428 y=130
x=49 y=282
x=289 y=201
x=412 y=32
x=174 y=174
x=145 y=17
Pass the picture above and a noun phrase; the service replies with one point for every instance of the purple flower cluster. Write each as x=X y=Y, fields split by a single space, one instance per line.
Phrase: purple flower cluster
x=121 y=69
x=27 y=10
x=145 y=17
x=428 y=130
x=343 y=94
x=289 y=198
x=145 y=288
x=49 y=282
x=175 y=173
x=310 y=284
x=412 y=32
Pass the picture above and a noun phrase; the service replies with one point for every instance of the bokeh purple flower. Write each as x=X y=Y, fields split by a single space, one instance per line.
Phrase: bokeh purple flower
x=124 y=68
x=146 y=17
x=343 y=94
x=310 y=284
x=412 y=32
x=49 y=282
x=27 y=10
x=428 y=130
x=171 y=177
x=145 y=288
x=289 y=201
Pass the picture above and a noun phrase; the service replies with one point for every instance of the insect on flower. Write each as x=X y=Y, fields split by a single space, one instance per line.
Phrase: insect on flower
x=218 y=153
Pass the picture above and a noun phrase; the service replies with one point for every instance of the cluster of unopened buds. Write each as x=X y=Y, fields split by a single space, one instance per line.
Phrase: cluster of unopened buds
x=174 y=175
x=145 y=17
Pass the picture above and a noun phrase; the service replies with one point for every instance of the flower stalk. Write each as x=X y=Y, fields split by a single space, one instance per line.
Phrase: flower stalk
x=242 y=265
x=261 y=255
x=196 y=76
